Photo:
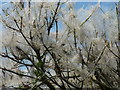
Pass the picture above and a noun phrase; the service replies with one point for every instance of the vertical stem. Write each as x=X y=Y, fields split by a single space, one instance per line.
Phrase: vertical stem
x=56 y=30
x=75 y=41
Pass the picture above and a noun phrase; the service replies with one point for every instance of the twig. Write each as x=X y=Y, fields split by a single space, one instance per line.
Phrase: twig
x=113 y=53
x=51 y=24
x=56 y=29
x=19 y=74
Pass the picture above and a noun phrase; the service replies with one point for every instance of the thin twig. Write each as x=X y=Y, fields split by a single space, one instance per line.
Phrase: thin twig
x=19 y=74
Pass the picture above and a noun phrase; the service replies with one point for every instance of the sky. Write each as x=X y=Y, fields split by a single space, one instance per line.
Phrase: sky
x=106 y=6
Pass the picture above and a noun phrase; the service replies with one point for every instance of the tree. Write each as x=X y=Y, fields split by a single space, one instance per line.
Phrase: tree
x=82 y=55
